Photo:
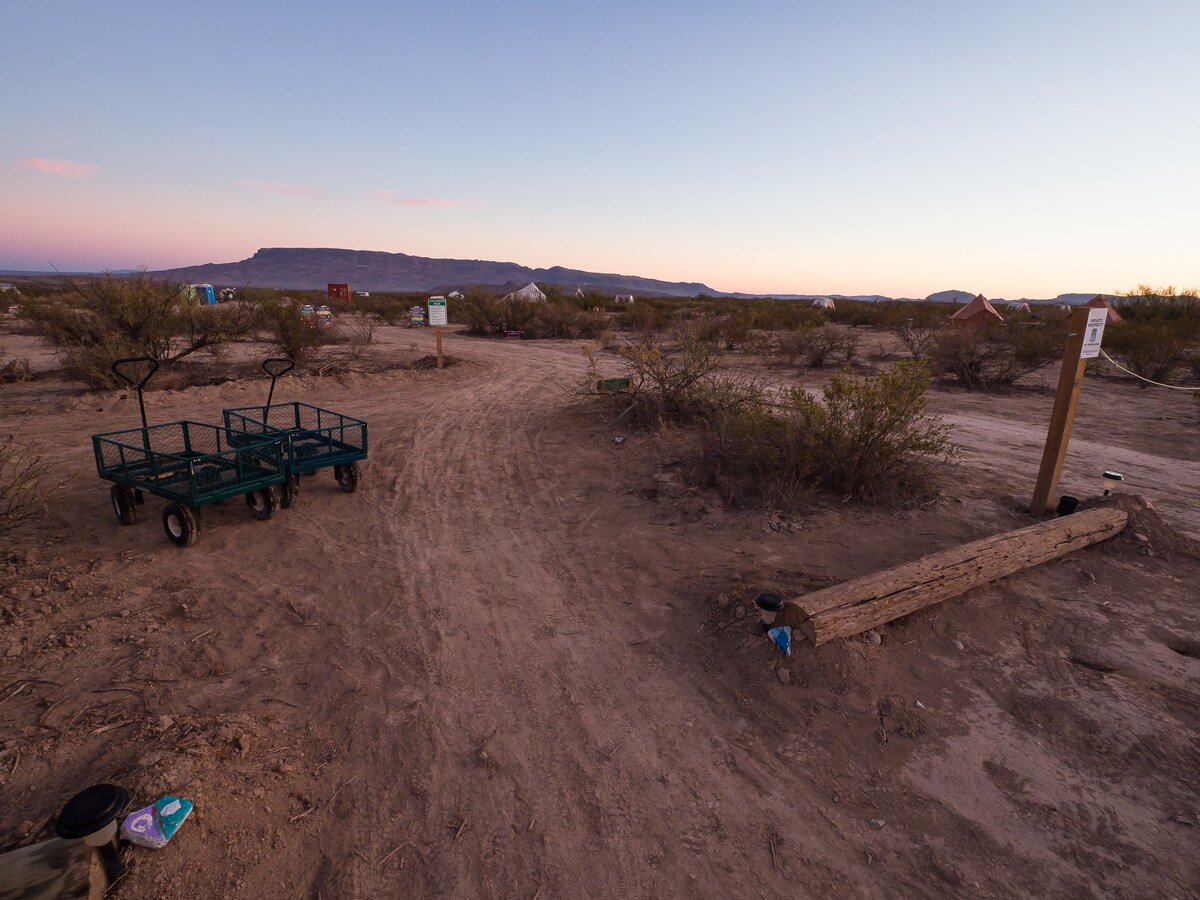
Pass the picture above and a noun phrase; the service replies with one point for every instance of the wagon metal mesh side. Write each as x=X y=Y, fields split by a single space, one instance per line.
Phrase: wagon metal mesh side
x=316 y=438
x=189 y=462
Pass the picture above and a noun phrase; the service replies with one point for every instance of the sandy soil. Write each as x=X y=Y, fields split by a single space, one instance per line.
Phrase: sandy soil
x=522 y=661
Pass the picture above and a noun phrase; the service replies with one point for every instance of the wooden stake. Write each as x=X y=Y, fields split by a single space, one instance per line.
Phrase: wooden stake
x=1070 y=381
x=439 y=345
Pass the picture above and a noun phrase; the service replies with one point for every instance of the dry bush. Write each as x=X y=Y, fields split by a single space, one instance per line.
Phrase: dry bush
x=24 y=484
x=99 y=320
x=917 y=336
x=869 y=438
x=290 y=333
x=362 y=329
x=1157 y=349
x=561 y=319
x=15 y=370
x=994 y=355
x=814 y=347
x=676 y=382
x=1159 y=331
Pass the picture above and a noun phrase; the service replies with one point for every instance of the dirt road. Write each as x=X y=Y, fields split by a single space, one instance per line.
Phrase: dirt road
x=501 y=669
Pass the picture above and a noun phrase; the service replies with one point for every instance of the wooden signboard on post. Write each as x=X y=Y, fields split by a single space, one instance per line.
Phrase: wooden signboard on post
x=1083 y=343
x=438 y=318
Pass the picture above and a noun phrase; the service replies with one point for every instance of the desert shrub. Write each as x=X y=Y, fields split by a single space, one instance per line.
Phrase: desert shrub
x=645 y=316
x=1157 y=349
x=728 y=332
x=993 y=355
x=677 y=381
x=480 y=313
x=15 y=370
x=783 y=315
x=1159 y=329
x=1145 y=303
x=868 y=438
x=290 y=333
x=563 y=319
x=100 y=320
x=360 y=329
x=24 y=484
x=917 y=335
x=390 y=310
x=815 y=347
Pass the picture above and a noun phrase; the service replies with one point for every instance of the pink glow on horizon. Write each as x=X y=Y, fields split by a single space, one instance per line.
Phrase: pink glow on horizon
x=393 y=198
x=281 y=187
x=63 y=167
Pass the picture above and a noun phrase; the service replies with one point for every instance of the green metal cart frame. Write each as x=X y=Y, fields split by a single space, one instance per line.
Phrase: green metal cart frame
x=189 y=464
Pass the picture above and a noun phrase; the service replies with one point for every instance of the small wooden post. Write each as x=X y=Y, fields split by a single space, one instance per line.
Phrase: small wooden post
x=1070 y=381
x=439 y=345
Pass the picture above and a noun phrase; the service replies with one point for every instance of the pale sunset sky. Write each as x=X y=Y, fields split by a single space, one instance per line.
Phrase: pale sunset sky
x=1011 y=148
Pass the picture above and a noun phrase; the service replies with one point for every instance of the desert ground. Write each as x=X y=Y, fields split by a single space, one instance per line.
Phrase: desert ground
x=523 y=661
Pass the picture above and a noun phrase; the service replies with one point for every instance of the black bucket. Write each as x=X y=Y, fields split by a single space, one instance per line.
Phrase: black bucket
x=1067 y=504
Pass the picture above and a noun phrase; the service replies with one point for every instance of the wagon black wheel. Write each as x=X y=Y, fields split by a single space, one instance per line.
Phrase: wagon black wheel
x=291 y=492
x=263 y=503
x=123 y=504
x=347 y=477
x=181 y=524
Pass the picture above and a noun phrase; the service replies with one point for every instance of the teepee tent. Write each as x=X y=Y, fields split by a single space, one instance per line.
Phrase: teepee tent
x=530 y=292
x=978 y=312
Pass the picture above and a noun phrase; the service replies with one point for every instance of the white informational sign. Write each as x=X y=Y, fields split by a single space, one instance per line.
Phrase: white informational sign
x=1093 y=334
x=437 y=311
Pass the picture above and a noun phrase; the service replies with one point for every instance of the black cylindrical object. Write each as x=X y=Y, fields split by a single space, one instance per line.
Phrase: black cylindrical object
x=1067 y=504
x=91 y=815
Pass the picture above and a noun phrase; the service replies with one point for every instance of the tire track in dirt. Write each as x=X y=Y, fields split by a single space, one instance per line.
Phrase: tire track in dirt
x=525 y=735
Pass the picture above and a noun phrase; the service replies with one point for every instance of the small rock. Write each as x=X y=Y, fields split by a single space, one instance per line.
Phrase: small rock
x=877 y=824
x=242 y=744
x=920 y=705
x=1141 y=538
x=723 y=601
x=873 y=637
x=125 y=614
x=837 y=798
x=740 y=612
x=784 y=676
x=14 y=649
x=21 y=591
x=958 y=645
x=1021 y=504
x=165 y=722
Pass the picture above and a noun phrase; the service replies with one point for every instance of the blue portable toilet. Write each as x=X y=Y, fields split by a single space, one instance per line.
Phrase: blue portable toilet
x=206 y=293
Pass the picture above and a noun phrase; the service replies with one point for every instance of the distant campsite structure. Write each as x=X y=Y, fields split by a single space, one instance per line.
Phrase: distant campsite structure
x=338 y=292
x=823 y=303
x=1102 y=302
x=530 y=292
x=978 y=312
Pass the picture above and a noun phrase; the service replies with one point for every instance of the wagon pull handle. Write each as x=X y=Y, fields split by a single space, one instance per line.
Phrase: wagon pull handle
x=116 y=367
x=276 y=366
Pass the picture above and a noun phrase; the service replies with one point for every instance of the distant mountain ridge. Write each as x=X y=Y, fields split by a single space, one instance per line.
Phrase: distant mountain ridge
x=311 y=268
x=371 y=270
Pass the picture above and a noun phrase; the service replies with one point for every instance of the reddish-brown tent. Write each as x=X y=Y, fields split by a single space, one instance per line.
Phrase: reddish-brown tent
x=1097 y=302
x=978 y=312
x=1101 y=302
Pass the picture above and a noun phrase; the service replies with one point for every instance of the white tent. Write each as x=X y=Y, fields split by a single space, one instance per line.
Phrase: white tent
x=530 y=292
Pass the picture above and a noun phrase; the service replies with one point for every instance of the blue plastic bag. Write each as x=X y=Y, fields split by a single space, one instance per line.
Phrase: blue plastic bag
x=781 y=636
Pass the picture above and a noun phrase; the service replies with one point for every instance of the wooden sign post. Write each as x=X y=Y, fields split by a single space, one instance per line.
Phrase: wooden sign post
x=1083 y=343
x=438 y=318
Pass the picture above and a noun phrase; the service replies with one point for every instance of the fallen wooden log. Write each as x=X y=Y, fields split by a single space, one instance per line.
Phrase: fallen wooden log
x=854 y=606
